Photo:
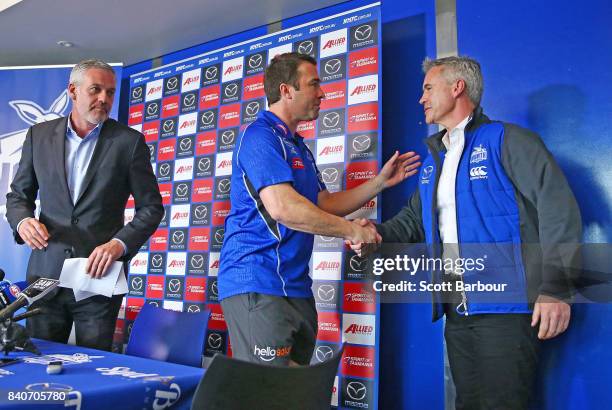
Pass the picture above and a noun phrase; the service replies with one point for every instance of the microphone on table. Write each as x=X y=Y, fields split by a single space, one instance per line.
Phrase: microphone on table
x=33 y=293
x=27 y=314
x=9 y=291
x=12 y=335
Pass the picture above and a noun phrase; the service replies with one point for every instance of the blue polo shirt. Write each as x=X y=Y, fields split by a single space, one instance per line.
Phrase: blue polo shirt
x=259 y=254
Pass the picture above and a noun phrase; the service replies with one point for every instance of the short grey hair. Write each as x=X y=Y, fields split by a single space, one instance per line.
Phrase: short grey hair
x=76 y=75
x=460 y=68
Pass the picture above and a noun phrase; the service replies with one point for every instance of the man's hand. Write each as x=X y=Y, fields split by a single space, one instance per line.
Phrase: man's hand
x=553 y=315
x=33 y=233
x=363 y=248
x=398 y=168
x=101 y=258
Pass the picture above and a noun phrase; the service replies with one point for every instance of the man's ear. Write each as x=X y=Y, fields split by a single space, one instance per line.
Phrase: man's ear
x=459 y=88
x=285 y=91
x=72 y=91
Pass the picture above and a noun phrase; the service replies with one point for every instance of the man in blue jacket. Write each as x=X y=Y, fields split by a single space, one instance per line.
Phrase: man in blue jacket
x=489 y=187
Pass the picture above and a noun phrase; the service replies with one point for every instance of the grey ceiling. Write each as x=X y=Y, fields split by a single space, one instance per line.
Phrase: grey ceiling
x=129 y=31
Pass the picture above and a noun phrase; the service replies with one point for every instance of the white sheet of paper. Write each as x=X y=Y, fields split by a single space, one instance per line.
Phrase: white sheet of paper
x=75 y=277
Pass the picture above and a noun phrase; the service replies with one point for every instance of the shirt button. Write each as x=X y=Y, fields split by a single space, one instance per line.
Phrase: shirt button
x=75 y=221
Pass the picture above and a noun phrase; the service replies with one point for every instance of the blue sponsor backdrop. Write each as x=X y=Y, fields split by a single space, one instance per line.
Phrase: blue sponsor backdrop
x=191 y=111
x=29 y=95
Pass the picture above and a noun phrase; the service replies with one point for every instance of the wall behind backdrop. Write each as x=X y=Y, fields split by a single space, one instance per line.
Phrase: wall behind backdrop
x=546 y=67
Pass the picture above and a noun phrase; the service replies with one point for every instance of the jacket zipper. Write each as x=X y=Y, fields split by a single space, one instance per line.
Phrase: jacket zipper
x=462 y=308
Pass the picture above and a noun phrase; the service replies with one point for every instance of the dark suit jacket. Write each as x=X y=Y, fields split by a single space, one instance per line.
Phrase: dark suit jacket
x=120 y=166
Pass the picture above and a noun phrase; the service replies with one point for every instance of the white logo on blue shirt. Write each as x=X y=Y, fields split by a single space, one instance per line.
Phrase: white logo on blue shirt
x=478 y=154
x=427 y=171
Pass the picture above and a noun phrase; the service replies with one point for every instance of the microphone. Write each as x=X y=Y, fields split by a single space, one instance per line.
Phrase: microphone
x=27 y=314
x=33 y=293
x=9 y=291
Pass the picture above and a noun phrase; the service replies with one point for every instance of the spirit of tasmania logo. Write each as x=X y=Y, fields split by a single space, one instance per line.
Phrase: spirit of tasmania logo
x=11 y=142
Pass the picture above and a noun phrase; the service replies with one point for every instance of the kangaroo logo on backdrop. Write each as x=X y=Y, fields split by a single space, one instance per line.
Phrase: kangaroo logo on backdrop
x=12 y=142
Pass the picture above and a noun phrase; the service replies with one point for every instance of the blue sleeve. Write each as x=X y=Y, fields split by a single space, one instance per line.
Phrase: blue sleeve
x=262 y=157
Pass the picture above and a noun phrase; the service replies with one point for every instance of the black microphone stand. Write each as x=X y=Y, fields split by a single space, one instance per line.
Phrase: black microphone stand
x=14 y=337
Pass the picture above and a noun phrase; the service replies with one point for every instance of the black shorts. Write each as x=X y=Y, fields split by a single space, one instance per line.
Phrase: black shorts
x=271 y=329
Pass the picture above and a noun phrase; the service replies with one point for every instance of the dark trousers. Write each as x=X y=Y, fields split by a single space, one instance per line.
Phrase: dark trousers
x=94 y=319
x=493 y=359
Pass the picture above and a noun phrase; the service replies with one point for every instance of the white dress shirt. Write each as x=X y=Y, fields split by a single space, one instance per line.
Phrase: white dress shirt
x=454 y=142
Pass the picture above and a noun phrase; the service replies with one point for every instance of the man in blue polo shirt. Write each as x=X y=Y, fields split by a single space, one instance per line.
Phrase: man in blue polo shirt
x=278 y=202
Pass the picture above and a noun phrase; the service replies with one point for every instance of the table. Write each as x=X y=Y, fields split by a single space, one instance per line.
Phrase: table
x=94 y=379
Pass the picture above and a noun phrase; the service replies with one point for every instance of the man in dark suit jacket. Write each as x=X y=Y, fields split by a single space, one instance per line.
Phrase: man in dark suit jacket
x=83 y=168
